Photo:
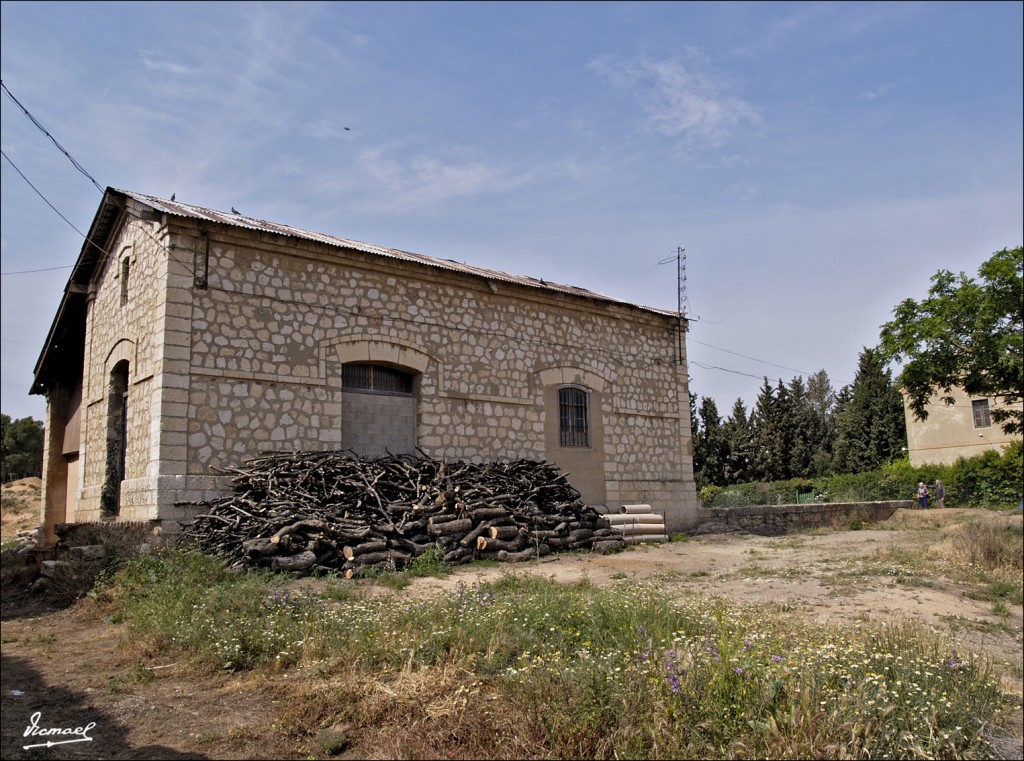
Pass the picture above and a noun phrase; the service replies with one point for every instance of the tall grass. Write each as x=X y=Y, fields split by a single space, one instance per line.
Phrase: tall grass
x=526 y=667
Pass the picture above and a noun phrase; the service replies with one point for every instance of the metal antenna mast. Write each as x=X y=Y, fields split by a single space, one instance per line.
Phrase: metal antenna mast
x=681 y=301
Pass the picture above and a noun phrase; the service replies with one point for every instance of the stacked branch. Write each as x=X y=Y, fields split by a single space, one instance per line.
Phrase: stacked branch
x=305 y=511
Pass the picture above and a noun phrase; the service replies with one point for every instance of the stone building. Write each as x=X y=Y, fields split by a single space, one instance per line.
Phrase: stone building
x=189 y=340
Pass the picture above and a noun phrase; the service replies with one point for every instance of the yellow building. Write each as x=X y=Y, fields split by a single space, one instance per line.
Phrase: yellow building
x=963 y=429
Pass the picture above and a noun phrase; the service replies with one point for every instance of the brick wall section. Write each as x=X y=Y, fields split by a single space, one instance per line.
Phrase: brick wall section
x=775 y=520
x=252 y=363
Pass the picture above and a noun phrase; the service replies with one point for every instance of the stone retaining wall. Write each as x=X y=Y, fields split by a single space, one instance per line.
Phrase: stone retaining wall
x=774 y=520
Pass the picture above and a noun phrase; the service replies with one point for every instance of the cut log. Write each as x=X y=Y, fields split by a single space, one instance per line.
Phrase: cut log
x=517 y=557
x=457 y=554
x=459 y=525
x=261 y=547
x=299 y=525
x=487 y=513
x=377 y=558
x=361 y=549
x=492 y=545
x=299 y=562
x=503 y=532
x=469 y=540
x=606 y=546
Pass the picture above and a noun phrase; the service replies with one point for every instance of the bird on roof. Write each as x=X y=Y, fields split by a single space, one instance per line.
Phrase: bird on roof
x=172 y=196
x=235 y=211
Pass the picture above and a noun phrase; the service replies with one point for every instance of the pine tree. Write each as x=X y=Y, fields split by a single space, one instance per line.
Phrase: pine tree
x=739 y=446
x=710 y=451
x=772 y=433
x=871 y=427
x=821 y=400
x=804 y=431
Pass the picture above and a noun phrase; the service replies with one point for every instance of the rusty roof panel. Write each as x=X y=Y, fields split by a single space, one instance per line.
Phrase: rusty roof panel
x=251 y=223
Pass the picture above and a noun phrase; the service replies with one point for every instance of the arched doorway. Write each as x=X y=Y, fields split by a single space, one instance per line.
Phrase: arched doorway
x=117 y=440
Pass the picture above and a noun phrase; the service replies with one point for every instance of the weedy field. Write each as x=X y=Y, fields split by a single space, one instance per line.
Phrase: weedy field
x=901 y=639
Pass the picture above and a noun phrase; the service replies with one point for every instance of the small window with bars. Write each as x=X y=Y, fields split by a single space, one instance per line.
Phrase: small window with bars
x=375 y=379
x=982 y=417
x=573 y=417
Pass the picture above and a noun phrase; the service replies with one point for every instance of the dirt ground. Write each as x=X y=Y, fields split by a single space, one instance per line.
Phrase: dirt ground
x=74 y=668
x=20 y=507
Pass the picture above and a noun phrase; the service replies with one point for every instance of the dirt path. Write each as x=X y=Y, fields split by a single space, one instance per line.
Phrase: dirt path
x=74 y=668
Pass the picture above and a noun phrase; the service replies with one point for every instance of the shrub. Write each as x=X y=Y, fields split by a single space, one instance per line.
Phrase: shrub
x=991 y=479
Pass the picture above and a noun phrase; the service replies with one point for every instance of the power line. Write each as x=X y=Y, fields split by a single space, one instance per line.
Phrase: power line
x=754 y=359
x=39 y=193
x=84 y=236
x=43 y=129
x=81 y=169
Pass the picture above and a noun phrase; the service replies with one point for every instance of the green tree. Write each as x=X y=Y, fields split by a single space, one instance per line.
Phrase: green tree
x=804 y=428
x=739 y=446
x=710 y=447
x=967 y=333
x=870 y=425
x=772 y=433
x=822 y=402
x=22 y=448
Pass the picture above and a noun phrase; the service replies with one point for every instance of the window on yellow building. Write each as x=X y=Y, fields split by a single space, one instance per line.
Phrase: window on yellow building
x=982 y=418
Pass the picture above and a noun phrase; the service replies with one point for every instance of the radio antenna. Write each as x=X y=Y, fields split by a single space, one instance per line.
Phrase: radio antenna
x=682 y=304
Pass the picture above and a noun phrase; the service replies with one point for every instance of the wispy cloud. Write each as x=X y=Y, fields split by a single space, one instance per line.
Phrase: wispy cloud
x=878 y=92
x=689 y=101
x=169 y=67
x=422 y=180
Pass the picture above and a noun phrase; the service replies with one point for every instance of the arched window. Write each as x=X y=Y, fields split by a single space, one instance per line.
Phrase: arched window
x=375 y=379
x=573 y=417
x=378 y=409
x=126 y=267
x=117 y=439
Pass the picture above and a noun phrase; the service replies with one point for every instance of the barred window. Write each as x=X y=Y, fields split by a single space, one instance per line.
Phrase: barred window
x=375 y=379
x=982 y=417
x=126 y=267
x=573 y=417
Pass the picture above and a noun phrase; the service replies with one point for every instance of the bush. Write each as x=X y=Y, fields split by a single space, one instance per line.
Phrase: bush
x=990 y=479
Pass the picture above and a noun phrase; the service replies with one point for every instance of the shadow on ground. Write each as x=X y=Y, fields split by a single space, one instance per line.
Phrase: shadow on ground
x=26 y=693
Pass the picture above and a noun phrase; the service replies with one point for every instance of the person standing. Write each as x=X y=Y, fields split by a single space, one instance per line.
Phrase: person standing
x=922 y=496
x=940 y=494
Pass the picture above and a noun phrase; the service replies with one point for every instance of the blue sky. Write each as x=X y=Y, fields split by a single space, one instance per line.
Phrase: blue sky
x=818 y=161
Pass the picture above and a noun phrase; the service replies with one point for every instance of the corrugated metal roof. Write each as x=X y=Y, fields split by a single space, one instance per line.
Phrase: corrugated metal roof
x=251 y=223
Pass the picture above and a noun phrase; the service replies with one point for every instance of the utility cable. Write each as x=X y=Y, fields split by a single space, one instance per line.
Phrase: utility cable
x=46 y=132
x=105 y=253
x=38 y=193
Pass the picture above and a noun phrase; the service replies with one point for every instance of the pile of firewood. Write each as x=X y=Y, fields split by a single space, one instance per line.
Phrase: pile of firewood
x=305 y=511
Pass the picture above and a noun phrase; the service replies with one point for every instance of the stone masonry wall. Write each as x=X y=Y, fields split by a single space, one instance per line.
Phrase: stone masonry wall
x=124 y=324
x=252 y=363
x=775 y=520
